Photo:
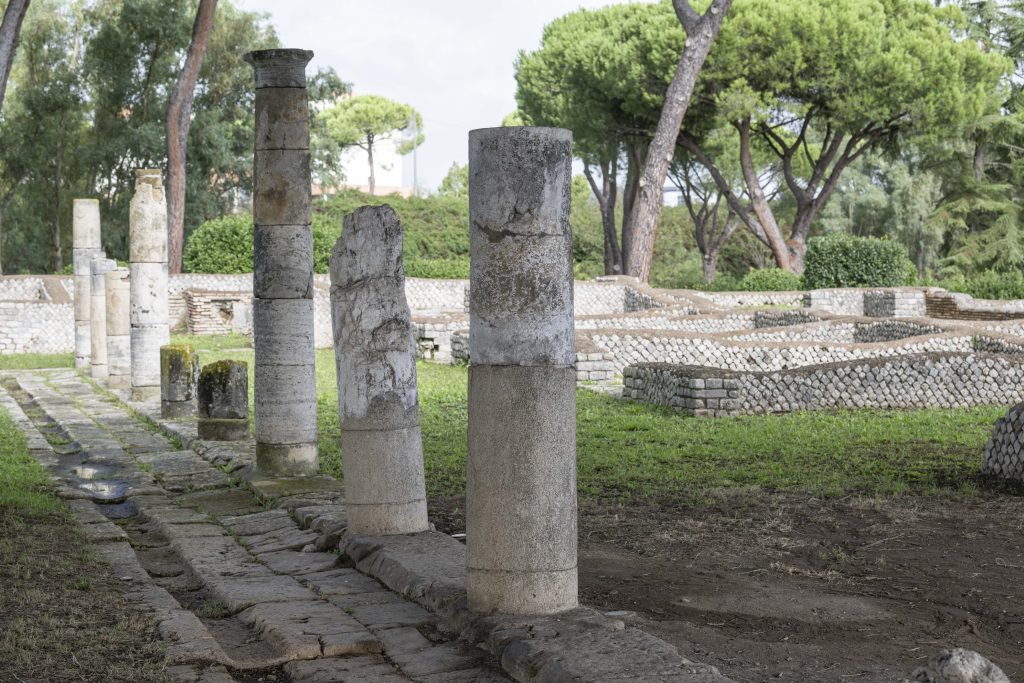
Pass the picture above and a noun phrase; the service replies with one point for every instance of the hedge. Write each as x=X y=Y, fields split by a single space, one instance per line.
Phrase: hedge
x=990 y=284
x=842 y=260
x=770 y=280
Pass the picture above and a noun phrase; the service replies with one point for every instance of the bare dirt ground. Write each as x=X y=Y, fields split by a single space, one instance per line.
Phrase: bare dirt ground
x=775 y=587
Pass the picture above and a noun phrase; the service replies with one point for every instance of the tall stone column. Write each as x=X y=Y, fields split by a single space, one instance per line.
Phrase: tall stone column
x=376 y=361
x=148 y=304
x=98 y=317
x=285 y=380
x=85 y=243
x=521 y=484
x=119 y=355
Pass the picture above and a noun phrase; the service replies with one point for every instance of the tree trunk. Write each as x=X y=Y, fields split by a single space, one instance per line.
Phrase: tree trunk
x=9 y=31
x=709 y=264
x=179 y=118
x=606 y=196
x=647 y=207
x=369 y=155
x=759 y=202
x=633 y=156
x=56 y=262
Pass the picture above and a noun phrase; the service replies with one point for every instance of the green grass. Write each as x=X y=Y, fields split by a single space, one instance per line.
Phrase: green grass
x=25 y=361
x=633 y=451
x=24 y=484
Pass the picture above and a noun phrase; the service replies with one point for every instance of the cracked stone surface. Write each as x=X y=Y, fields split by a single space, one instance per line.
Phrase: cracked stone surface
x=234 y=586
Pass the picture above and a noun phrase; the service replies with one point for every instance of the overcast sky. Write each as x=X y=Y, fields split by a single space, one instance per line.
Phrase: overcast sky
x=450 y=59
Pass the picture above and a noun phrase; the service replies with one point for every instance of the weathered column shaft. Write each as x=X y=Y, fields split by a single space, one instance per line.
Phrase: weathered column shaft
x=223 y=401
x=86 y=245
x=117 y=288
x=148 y=305
x=179 y=373
x=375 y=353
x=521 y=484
x=98 y=317
x=285 y=391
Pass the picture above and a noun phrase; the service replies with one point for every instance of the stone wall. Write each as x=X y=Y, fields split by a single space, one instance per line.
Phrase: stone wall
x=1004 y=453
x=921 y=380
x=895 y=303
x=36 y=327
x=836 y=301
x=753 y=299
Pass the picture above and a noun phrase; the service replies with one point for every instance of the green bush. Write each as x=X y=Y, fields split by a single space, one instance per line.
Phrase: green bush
x=990 y=284
x=841 y=260
x=770 y=280
x=438 y=269
x=222 y=245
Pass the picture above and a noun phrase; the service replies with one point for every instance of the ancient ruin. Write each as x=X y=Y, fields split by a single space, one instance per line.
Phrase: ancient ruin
x=117 y=287
x=285 y=391
x=222 y=393
x=521 y=486
x=179 y=373
x=98 y=317
x=376 y=370
x=148 y=265
x=86 y=245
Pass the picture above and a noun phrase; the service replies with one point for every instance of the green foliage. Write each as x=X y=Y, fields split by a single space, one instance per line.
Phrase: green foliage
x=438 y=269
x=222 y=245
x=990 y=284
x=840 y=260
x=770 y=280
x=364 y=120
x=456 y=182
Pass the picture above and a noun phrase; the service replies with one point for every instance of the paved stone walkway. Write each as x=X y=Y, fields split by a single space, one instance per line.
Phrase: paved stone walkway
x=238 y=587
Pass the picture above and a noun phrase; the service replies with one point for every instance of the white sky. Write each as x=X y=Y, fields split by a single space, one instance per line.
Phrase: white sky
x=450 y=59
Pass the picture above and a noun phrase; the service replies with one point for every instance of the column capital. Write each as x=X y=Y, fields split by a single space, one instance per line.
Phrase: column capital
x=280 y=68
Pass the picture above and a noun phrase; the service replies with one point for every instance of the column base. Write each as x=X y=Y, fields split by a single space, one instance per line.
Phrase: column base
x=287 y=460
x=223 y=429
x=521 y=593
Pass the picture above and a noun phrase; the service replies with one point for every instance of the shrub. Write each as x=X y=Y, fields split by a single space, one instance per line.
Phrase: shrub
x=438 y=269
x=841 y=260
x=222 y=245
x=770 y=280
x=990 y=284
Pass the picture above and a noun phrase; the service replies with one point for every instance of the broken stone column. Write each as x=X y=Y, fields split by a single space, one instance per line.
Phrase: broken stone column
x=375 y=352
x=149 y=306
x=285 y=396
x=521 y=484
x=223 y=397
x=179 y=372
x=119 y=354
x=98 y=269
x=85 y=244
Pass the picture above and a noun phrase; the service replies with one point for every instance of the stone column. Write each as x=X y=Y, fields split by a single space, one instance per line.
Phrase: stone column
x=376 y=361
x=521 y=485
x=285 y=396
x=223 y=397
x=179 y=372
x=119 y=356
x=149 y=308
x=98 y=317
x=85 y=244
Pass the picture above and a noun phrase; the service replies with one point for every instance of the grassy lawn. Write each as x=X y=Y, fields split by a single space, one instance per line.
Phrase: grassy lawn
x=22 y=361
x=631 y=451
x=61 y=613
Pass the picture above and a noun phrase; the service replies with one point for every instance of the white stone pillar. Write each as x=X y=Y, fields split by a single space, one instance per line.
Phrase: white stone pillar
x=119 y=357
x=85 y=243
x=375 y=351
x=98 y=269
x=148 y=301
x=285 y=379
x=521 y=484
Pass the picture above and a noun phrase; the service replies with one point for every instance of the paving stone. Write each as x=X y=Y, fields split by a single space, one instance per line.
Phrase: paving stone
x=122 y=561
x=308 y=515
x=291 y=486
x=367 y=669
x=190 y=641
x=196 y=673
x=200 y=481
x=86 y=512
x=103 y=532
x=475 y=675
x=392 y=615
x=292 y=503
x=298 y=563
x=281 y=539
x=225 y=502
x=417 y=656
x=309 y=629
x=258 y=523
x=238 y=593
x=342 y=582
x=174 y=515
x=350 y=602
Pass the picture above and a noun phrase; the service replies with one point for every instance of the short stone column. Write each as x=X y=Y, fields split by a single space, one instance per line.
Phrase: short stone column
x=85 y=243
x=521 y=484
x=285 y=396
x=98 y=317
x=223 y=396
x=376 y=361
x=119 y=353
x=179 y=372
x=149 y=307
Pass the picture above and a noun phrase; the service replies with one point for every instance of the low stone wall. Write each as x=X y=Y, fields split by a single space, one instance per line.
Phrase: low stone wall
x=754 y=299
x=895 y=303
x=924 y=380
x=36 y=327
x=836 y=301
x=952 y=305
x=1004 y=453
x=218 y=312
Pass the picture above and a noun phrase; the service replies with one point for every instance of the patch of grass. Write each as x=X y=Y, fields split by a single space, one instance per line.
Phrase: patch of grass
x=634 y=451
x=211 y=609
x=214 y=343
x=26 y=361
x=62 y=617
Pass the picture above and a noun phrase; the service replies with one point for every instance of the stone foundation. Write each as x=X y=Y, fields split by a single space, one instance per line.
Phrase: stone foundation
x=1004 y=454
